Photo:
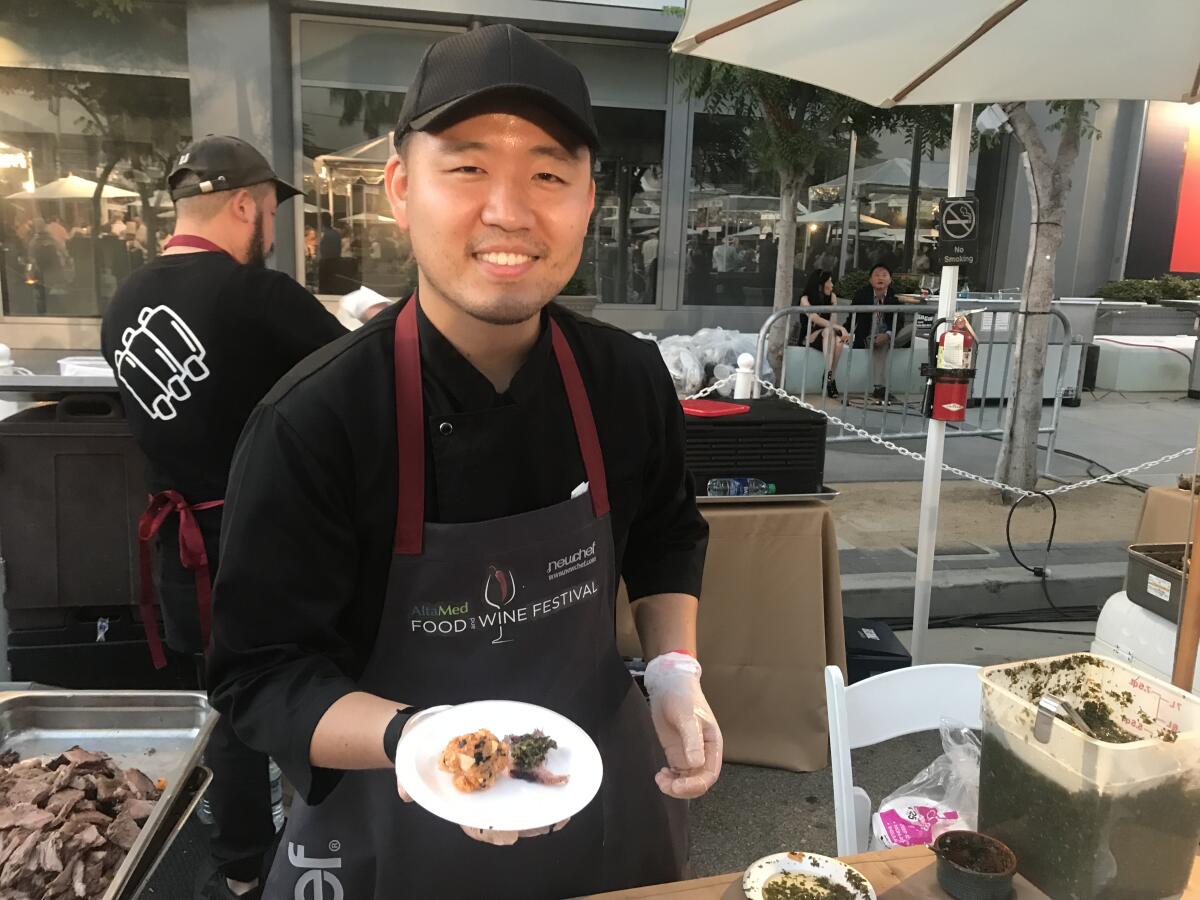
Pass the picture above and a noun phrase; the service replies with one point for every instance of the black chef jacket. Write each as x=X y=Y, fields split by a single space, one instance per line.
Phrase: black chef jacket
x=311 y=504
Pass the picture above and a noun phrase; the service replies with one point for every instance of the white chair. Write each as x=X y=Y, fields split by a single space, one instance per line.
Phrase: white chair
x=878 y=709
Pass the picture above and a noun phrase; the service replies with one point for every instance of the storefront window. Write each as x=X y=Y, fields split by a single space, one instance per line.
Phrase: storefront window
x=733 y=214
x=620 y=256
x=350 y=238
x=83 y=163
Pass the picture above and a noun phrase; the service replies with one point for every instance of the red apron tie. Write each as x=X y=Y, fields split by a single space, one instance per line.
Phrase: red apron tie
x=192 y=555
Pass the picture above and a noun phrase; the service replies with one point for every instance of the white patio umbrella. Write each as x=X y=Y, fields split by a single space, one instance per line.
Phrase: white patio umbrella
x=72 y=187
x=971 y=51
x=370 y=218
x=896 y=235
x=834 y=214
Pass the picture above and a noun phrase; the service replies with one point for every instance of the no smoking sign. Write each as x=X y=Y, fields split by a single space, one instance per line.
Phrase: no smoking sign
x=958 y=231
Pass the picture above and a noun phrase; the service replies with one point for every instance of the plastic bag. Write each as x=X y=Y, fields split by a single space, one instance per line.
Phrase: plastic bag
x=686 y=371
x=943 y=797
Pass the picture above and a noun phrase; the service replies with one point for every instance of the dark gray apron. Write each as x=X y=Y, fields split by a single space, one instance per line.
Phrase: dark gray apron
x=519 y=608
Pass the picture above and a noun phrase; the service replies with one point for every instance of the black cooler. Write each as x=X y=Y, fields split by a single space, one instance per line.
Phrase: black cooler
x=776 y=441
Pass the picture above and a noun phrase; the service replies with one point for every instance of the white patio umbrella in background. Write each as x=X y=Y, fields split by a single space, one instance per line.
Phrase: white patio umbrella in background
x=370 y=218
x=834 y=214
x=72 y=187
x=959 y=52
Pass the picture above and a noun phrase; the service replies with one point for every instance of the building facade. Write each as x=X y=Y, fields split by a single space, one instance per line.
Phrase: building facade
x=94 y=108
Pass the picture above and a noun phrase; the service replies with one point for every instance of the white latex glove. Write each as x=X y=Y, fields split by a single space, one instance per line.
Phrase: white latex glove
x=485 y=835
x=686 y=727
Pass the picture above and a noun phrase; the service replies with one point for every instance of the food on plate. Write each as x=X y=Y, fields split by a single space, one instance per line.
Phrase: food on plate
x=799 y=886
x=66 y=822
x=475 y=760
x=529 y=753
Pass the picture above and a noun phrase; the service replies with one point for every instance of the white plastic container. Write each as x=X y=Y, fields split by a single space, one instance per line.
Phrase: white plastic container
x=84 y=367
x=1089 y=818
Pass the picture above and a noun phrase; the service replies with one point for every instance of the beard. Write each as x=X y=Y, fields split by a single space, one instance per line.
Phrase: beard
x=257 y=254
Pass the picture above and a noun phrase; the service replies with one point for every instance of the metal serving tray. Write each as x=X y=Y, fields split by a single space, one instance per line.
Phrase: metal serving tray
x=163 y=733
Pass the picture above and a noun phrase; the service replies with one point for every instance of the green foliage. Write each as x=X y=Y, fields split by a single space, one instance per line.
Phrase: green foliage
x=796 y=127
x=574 y=288
x=1151 y=290
x=1074 y=114
x=1172 y=287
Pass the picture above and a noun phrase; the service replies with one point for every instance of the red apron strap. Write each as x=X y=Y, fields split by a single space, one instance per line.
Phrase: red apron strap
x=192 y=555
x=197 y=242
x=410 y=430
x=585 y=423
x=410 y=435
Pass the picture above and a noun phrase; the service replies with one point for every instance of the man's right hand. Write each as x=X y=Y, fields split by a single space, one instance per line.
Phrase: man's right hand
x=483 y=835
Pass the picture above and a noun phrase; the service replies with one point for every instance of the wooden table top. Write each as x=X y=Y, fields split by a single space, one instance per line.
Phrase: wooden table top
x=899 y=874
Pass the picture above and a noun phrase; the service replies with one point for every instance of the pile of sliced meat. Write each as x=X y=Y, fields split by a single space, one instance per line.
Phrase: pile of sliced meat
x=67 y=822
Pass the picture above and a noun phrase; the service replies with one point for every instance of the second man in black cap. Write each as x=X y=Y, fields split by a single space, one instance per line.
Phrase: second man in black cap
x=196 y=338
x=437 y=510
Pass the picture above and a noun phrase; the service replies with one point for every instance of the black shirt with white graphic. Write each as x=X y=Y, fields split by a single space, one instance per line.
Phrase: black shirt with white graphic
x=311 y=510
x=196 y=340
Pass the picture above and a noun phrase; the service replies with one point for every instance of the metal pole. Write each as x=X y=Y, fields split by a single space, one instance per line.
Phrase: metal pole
x=846 y=203
x=911 y=238
x=931 y=485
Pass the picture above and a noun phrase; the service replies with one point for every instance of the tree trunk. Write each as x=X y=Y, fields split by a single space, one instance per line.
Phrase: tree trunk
x=1049 y=183
x=785 y=264
x=97 y=209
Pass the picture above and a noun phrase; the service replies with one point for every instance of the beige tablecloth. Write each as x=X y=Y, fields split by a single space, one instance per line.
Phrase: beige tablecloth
x=1166 y=515
x=907 y=873
x=770 y=621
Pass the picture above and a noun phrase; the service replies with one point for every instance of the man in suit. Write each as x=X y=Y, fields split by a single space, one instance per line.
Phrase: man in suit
x=879 y=331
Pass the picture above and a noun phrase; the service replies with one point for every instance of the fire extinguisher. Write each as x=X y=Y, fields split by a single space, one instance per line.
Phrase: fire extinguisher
x=949 y=371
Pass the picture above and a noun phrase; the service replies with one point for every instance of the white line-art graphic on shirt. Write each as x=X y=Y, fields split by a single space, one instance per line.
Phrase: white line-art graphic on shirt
x=158 y=360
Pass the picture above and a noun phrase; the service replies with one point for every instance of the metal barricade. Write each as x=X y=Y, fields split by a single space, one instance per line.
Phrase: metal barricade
x=879 y=382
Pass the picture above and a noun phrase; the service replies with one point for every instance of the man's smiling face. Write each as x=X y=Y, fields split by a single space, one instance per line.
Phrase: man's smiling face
x=497 y=207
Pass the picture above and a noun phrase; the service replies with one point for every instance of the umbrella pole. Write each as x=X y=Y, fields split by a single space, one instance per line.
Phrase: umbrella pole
x=931 y=485
x=846 y=202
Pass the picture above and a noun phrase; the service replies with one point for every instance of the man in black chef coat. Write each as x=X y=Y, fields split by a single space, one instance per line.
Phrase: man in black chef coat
x=196 y=338
x=436 y=509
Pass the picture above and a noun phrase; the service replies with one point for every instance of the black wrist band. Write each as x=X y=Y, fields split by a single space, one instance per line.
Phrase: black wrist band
x=391 y=734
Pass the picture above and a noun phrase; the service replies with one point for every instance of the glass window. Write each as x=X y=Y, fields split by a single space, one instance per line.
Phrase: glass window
x=733 y=215
x=83 y=163
x=350 y=237
x=620 y=255
x=882 y=203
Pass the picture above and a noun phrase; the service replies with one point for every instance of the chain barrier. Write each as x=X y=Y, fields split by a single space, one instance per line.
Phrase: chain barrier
x=920 y=457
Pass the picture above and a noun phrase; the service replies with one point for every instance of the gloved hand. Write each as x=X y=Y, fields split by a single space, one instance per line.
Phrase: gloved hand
x=685 y=726
x=484 y=835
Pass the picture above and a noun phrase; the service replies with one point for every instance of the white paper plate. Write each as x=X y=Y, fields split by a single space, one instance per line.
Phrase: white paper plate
x=768 y=867
x=510 y=804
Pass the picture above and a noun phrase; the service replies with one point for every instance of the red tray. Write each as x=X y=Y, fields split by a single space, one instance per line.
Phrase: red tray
x=711 y=409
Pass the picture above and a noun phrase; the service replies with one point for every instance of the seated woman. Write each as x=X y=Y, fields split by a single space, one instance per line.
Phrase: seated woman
x=822 y=332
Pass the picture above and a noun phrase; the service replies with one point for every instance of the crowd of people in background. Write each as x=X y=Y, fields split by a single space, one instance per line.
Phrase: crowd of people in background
x=55 y=260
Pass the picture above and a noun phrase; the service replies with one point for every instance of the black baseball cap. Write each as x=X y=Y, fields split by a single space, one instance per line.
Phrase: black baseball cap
x=495 y=59
x=224 y=163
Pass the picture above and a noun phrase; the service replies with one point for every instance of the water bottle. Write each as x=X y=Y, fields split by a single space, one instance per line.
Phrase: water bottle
x=739 y=487
x=276 y=776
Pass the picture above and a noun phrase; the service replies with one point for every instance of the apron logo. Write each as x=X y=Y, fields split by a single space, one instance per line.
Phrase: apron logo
x=316 y=878
x=499 y=590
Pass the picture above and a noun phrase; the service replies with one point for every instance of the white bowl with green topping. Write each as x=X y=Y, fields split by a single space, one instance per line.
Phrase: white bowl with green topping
x=804 y=876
